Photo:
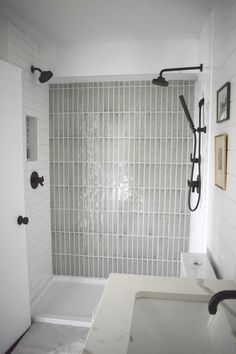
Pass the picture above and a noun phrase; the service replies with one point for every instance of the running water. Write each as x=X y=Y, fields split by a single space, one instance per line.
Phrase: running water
x=209 y=323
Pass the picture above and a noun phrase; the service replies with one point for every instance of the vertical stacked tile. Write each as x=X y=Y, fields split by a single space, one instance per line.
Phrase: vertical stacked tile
x=119 y=161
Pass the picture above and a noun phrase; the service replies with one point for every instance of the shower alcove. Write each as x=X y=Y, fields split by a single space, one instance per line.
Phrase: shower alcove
x=119 y=162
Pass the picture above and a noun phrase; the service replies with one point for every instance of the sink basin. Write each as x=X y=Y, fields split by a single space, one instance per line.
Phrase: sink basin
x=176 y=326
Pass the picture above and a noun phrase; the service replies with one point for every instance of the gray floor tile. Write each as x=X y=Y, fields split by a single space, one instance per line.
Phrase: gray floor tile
x=44 y=338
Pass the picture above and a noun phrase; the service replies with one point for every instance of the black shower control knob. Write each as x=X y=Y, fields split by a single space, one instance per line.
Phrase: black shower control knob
x=22 y=220
x=35 y=180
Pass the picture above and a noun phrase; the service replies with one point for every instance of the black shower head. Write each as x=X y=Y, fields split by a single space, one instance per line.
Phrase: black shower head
x=44 y=75
x=160 y=81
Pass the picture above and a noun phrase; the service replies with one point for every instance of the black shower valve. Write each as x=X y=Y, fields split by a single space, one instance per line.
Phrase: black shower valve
x=35 y=180
x=194 y=185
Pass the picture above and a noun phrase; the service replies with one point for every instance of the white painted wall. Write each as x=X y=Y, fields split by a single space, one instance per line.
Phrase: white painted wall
x=120 y=58
x=218 y=47
x=24 y=52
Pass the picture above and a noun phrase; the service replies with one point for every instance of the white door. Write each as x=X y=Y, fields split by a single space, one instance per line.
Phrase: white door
x=14 y=292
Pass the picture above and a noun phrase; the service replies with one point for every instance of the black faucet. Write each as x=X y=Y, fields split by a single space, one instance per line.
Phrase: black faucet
x=218 y=297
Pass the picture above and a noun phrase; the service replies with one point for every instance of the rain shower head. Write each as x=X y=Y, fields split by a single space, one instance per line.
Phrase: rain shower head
x=161 y=81
x=44 y=75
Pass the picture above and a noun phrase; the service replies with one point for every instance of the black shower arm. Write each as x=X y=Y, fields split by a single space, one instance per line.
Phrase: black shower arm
x=33 y=69
x=200 y=67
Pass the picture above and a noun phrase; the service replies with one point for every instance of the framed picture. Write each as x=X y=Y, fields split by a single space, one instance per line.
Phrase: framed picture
x=223 y=103
x=220 y=160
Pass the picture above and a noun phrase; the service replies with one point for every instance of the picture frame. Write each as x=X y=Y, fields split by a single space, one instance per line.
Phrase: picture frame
x=223 y=103
x=221 y=160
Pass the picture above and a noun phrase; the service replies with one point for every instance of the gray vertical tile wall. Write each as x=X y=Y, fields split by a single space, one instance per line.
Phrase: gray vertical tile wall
x=119 y=157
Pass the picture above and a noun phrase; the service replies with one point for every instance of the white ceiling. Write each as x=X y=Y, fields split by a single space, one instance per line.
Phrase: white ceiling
x=75 y=21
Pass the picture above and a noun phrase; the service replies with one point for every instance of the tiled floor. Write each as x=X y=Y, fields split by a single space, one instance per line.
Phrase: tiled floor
x=44 y=338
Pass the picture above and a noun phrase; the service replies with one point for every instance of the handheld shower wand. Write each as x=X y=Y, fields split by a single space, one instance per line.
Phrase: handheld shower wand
x=186 y=111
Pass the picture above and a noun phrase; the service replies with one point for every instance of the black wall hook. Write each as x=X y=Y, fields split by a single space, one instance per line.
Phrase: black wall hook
x=35 y=180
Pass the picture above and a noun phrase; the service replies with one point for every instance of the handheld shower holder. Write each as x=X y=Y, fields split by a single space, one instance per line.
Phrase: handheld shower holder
x=201 y=130
x=195 y=185
x=195 y=159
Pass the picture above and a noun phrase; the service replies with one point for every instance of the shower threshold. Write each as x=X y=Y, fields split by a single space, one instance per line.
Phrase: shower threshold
x=69 y=301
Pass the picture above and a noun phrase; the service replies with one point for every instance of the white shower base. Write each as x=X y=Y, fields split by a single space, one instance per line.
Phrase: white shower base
x=69 y=301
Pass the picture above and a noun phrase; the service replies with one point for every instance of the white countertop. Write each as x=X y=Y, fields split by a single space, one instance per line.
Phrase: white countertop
x=110 y=331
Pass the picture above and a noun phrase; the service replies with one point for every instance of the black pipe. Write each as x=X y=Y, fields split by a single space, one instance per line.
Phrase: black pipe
x=200 y=67
x=160 y=80
x=33 y=69
x=218 y=297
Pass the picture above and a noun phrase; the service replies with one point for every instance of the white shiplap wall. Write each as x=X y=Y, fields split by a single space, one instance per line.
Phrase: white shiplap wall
x=23 y=52
x=198 y=218
x=220 y=33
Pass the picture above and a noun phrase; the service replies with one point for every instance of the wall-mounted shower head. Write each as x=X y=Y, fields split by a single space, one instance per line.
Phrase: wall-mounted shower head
x=160 y=80
x=44 y=75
